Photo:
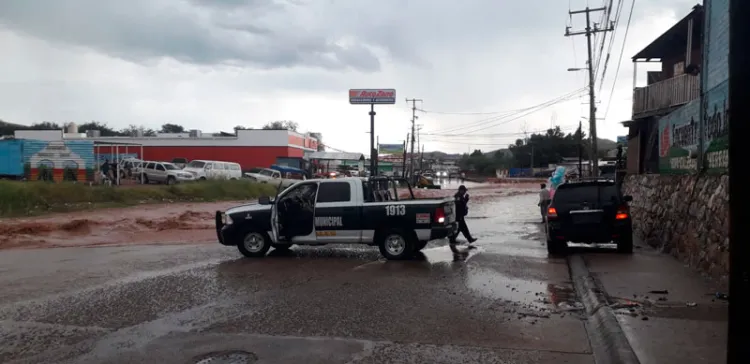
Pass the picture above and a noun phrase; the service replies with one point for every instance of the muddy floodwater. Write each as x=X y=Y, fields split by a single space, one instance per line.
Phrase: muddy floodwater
x=174 y=223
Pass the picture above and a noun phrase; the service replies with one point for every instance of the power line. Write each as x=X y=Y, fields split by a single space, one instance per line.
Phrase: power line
x=482 y=122
x=620 y=3
x=619 y=62
x=461 y=113
x=495 y=135
x=490 y=135
x=531 y=111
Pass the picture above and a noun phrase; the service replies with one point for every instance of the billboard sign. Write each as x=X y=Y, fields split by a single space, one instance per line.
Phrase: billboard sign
x=393 y=149
x=716 y=129
x=369 y=96
x=678 y=140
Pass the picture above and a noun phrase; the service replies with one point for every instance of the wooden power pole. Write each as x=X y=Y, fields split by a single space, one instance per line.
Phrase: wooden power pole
x=593 y=147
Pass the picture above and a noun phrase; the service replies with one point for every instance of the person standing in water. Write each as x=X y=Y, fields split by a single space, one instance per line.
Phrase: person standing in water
x=544 y=201
x=461 y=199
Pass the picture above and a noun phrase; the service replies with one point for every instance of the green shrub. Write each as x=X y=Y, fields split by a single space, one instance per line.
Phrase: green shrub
x=35 y=197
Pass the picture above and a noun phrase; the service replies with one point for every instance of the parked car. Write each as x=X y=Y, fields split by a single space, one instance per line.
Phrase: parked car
x=589 y=211
x=271 y=176
x=340 y=211
x=163 y=172
x=180 y=162
x=204 y=169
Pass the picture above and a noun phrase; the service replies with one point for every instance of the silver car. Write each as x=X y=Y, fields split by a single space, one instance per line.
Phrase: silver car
x=163 y=172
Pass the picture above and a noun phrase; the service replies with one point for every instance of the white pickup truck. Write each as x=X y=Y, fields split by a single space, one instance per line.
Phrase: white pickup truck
x=271 y=176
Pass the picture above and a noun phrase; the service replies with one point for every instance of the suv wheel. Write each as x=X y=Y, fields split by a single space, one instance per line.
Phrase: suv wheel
x=625 y=245
x=396 y=245
x=255 y=244
x=556 y=247
x=171 y=180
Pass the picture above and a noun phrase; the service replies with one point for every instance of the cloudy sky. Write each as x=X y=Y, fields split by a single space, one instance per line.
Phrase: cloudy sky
x=215 y=64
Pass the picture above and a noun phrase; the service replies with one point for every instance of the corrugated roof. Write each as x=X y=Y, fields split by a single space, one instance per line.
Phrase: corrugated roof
x=336 y=156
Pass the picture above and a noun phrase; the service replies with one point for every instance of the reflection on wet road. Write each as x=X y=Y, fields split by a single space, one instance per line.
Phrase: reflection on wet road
x=503 y=302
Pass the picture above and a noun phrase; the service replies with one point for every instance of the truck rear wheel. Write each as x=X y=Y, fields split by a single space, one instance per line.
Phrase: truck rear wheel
x=396 y=245
x=255 y=244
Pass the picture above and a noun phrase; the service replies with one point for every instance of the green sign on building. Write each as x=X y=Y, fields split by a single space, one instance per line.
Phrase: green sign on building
x=679 y=140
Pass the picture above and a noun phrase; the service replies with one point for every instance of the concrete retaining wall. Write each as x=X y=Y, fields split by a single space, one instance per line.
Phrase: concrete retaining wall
x=686 y=216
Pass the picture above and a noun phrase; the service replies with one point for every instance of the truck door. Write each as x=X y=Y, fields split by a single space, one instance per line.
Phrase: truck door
x=338 y=213
x=294 y=213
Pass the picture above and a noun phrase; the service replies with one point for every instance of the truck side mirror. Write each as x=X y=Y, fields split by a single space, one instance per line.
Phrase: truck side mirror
x=264 y=200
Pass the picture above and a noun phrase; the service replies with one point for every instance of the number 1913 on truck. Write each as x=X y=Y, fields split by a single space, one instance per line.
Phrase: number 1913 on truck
x=316 y=212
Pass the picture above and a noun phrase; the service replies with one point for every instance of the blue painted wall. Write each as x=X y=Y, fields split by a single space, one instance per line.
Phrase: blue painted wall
x=11 y=158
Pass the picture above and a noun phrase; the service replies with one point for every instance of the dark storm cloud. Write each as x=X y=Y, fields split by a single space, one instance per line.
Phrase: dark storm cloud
x=142 y=30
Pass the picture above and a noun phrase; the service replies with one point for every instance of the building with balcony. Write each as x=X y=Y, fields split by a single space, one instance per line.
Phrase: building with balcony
x=677 y=83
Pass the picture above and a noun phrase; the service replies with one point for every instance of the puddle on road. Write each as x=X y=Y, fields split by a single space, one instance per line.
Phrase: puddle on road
x=520 y=294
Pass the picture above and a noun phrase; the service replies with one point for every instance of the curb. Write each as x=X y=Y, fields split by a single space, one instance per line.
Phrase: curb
x=608 y=342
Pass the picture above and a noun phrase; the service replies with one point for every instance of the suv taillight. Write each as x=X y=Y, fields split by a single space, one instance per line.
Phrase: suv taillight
x=623 y=212
x=440 y=215
x=552 y=212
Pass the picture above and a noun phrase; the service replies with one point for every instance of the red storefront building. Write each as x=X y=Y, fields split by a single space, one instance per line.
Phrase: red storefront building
x=250 y=148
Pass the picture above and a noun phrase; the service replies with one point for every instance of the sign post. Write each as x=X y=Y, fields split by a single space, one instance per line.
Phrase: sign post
x=372 y=97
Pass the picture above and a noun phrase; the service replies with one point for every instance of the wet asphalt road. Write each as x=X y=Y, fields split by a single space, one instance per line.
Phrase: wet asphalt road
x=505 y=302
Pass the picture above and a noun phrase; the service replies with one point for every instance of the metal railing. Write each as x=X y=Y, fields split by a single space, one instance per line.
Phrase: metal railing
x=665 y=94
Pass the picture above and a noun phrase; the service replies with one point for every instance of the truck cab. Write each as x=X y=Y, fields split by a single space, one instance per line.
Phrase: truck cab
x=377 y=211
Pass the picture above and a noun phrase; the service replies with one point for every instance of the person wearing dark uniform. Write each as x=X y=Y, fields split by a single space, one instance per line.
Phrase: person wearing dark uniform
x=461 y=199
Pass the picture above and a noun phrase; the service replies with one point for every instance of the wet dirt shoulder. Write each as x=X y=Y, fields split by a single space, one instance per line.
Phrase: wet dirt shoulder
x=143 y=224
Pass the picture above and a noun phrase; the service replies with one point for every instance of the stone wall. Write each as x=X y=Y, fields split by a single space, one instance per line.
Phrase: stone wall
x=685 y=216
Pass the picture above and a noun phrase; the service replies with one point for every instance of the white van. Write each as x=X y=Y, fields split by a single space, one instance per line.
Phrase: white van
x=203 y=170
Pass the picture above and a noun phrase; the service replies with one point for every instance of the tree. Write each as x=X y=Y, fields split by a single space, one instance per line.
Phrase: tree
x=103 y=128
x=172 y=128
x=46 y=125
x=133 y=130
x=281 y=125
x=319 y=137
x=540 y=150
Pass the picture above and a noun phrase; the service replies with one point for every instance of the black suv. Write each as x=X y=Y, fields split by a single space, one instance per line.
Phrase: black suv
x=589 y=211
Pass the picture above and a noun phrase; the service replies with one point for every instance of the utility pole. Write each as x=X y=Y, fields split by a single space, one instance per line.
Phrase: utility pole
x=592 y=97
x=580 y=149
x=377 y=155
x=413 y=131
x=403 y=167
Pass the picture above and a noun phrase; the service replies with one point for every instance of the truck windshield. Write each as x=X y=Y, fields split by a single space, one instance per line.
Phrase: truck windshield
x=266 y=172
x=196 y=164
x=600 y=194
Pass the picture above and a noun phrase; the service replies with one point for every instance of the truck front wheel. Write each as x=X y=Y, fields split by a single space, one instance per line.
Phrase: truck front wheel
x=255 y=244
x=396 y=245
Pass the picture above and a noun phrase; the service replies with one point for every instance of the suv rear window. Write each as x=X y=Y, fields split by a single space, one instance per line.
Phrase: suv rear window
x=591 y=193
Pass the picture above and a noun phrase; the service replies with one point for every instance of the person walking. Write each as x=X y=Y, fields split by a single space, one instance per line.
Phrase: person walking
x=461 y=199
x=544 y=201
x=104 y=171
